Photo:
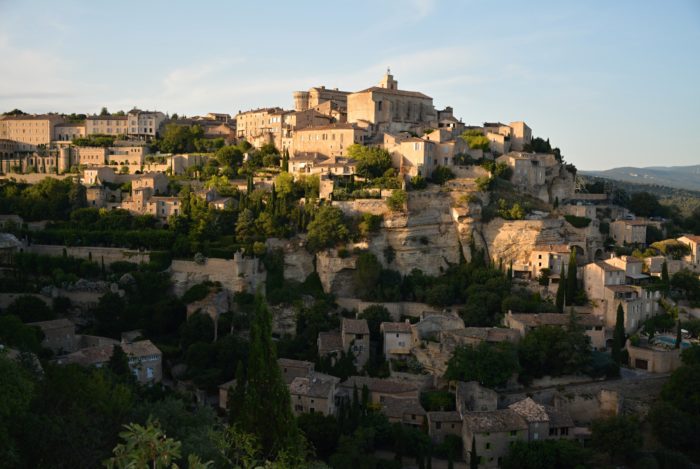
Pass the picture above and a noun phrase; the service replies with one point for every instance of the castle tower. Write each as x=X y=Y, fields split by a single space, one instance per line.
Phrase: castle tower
x=301 y=100
x=63 y=159
x=388 y=81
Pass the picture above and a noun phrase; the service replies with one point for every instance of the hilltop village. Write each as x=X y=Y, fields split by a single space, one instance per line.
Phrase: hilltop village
x=364 y=276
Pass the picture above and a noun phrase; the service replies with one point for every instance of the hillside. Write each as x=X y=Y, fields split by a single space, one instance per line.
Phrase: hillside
x=680 y=177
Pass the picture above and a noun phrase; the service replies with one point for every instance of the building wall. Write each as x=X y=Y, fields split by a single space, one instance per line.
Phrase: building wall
x=29 y=131
x=654 y=361
x=491 y=447
x=624 y=232
x=397 y=343
x=328 y=141
x=106 y=125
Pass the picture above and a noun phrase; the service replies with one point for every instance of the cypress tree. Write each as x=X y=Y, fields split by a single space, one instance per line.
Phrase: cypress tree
x=285 y=160
x=510 y=271
x=618 y=335
x=665 y=281
x=473 y=457
x=236 y=395
x=561 y=292
x=679 y=335
x=571 y=280
x=267 y=413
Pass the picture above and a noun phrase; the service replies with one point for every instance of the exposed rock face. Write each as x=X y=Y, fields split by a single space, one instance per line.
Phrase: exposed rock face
x=513 y=240
x=335 y=272
x=214 y=305
x=298 y=262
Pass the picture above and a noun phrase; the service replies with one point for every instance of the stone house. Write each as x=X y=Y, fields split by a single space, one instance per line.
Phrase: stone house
x=145 y=359
x=553 y=257
x=412 y=156
x=294 y=369
x=397 y=339
x=473 y=397
x=431 y=325
x=355 y=337
x=223 y=393
x=692 y=241
x=405 y=411
x=536 y=417
x=313 y=393
x=654 y=359
x=629 y=231
x=261 y=126
x=29 y=132
x=106 y=125
x=441 y=424
x=526 y=322
x=493 y=432
x=59 y=335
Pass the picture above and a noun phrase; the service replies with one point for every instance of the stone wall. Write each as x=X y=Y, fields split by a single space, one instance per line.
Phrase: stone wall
x=396 y=309
x=298 y=262
x=235 y=275
x=357 y=207
x=97 y=254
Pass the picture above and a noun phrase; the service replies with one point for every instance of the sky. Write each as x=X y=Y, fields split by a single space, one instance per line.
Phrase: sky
x=612 y=83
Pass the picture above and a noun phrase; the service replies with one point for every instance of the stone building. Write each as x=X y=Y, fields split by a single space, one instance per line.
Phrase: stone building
x=379 y=389
x=313 y=393
x=67 y=132
x=355 y=335
x=407 y=411
x=59 y=335
x=387 y=109
x=493 y=432
x=525 y=322
x=692 y=241
x=553 y=257
x=261 y=126
x=397 y=339
x=326 y=141
x=441 y=424
x=29 y=131
x=629 y=231
x=107 y=125
x=317 y=96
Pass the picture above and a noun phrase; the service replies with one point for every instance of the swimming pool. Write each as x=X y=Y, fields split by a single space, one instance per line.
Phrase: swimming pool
x=671 y=341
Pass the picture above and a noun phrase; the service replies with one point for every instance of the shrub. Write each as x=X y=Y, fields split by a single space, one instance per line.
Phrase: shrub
x=441 y=175
x=397 y=200
x=577 y=222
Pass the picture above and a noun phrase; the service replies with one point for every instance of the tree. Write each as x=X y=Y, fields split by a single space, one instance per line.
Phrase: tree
x=16 y=393
x=245 y=227
x=104 y=112
x=554 y=351
x=147 y=446
x=285 y=161
x=561 y=292
x=473 y=456
x=229 y=156
x=571 y=279
x=619 y=436
x=375 y=316
x=372 y=162
x=489 y=364
x=366 y=277
x=15 y=334
x=327 y=229
x=267 y=413
x=618 y=335
x=665 y=280
x=679 y=335
x=30 y=308
x=322 y=431
x=548 y=454
x=119 y=362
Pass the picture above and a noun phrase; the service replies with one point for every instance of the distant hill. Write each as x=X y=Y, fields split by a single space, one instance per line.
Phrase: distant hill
x=680 y=177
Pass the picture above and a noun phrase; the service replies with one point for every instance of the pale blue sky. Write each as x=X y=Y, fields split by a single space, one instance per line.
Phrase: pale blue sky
x=612 y=83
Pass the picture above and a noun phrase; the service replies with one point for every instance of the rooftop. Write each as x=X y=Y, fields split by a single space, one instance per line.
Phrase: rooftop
x=530 y=410
x=379 y=385
x=396 y=327
x=558 y=248
x=354 y=326
x=379 y=89
x=316 y=385
x=394 y=407
x=555 y=319
x=502 y=420
x=52 y=324
x=452 y=416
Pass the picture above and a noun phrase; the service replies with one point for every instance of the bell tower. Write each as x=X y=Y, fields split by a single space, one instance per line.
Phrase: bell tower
x=388 y=81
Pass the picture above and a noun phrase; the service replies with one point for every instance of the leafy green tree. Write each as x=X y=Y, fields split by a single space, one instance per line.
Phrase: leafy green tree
x=375 y=316
x=229 y=156
x=618 y=335
x=619 y=437
x=30 y=309
x=245 y=227
x=548 y=454
x=489 y=364
x=322 y=431
x=267 y=413
x=16 y=392
x=372 y=162
x=15 y=334
x=147 y=446
x=327 y=229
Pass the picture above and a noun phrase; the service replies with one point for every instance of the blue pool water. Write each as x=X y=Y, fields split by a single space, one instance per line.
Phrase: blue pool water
x=671 y=341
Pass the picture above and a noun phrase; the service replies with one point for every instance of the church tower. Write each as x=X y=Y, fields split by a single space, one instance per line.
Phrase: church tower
x=388 y=81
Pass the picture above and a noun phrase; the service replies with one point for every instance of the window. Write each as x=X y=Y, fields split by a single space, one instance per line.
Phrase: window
x=513 y=433
x=564 y=431
x=487 y=445
x=438 y=425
